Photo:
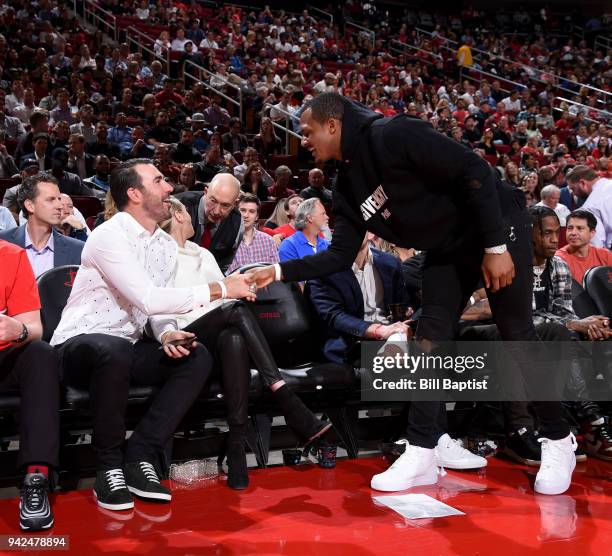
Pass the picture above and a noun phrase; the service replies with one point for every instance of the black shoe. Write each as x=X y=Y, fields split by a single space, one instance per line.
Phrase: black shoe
x=111 y=491
x=237 y=470
x=142 y=480
x=523 y=447
x=34 y=509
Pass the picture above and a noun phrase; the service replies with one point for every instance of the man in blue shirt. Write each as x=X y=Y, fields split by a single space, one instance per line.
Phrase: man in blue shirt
x=310 y=220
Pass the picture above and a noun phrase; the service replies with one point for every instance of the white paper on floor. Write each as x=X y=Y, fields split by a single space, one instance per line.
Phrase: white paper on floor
x=417 y=506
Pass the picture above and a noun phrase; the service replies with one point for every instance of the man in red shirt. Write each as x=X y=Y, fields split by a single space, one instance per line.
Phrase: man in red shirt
x=579 y=255
x=31 y=365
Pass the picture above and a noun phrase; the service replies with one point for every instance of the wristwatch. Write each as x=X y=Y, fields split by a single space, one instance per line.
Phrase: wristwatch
x=496 y=250
x=23 y=336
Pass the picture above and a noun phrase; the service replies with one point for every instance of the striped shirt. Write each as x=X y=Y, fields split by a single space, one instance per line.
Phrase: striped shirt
x=261 y=250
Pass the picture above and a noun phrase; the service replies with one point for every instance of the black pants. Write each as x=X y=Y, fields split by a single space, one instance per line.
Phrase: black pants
x=106 y=365
x=516 y=413
x=232 y=333
x=34 y=369
x=449 y=279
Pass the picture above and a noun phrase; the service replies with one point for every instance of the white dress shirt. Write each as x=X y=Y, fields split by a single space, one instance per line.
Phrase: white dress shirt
x=599 y=202
x=372 y=289
x=561 y=211
x=123 y=280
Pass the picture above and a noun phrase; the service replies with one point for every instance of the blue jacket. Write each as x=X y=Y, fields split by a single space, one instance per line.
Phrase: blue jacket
x=66 y=249
x=338 y=300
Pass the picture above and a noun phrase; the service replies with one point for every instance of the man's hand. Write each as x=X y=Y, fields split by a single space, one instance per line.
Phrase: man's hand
x=596 y=327
x=73 y=222
x=383 y=332
x=170 y=339
x=241 y=286
x=10 y=329
x=262 y=276
x=497 y=270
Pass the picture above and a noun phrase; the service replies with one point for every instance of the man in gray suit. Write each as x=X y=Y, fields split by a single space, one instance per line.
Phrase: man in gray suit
x=46 y=247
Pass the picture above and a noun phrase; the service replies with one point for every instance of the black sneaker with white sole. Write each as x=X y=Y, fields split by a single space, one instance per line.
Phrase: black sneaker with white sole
x=523 y=447
x=111 y=492
x=34 y=509
x=142 y=480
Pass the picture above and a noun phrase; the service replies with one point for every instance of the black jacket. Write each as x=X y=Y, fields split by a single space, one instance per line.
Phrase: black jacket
x=226 y=237
x=410 y=185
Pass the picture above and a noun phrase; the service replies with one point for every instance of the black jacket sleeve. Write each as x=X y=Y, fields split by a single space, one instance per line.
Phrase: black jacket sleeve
x=346 y=241
x=446 y=161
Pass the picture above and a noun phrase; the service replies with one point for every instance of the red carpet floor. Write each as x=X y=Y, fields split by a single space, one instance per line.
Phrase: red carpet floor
x=310 y=511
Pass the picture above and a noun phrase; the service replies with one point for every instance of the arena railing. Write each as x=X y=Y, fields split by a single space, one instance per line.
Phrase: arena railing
x=362 y=29
x=430 y=56
x=97 y=17
x=288 y=128
x=535 y=74
x=203 y=71
x=606 y=117
x=604 y=42
x=322 y=12
x=135 y=37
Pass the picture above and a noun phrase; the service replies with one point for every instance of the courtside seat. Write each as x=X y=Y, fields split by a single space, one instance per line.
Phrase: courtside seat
x=598 y=285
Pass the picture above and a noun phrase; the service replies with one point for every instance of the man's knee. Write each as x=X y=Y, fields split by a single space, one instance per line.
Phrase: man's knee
x=198 y=366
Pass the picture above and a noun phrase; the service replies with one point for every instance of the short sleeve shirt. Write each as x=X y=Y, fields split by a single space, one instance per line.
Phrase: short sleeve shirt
x=18 y=290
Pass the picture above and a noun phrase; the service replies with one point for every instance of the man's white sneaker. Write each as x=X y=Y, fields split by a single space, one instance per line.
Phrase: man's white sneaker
x=416 y=466
x=451 y=453
x=558 y=464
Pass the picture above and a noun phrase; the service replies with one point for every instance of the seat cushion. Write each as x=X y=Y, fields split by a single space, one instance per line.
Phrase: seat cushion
x=76 y=398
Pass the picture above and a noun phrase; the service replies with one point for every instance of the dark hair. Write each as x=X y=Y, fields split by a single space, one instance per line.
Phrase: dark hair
x=246 y=179
x=29 y=188
x=233 y=121
x=538 y=213
x=585 y=215
x=581 y=172
x=326 y=106
x=38 y=117
x=249 y=198
x=125 y=177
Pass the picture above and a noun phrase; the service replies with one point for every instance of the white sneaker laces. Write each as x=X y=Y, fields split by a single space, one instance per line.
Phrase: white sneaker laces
x=410 y=455
x=149 y=471
x=554 y=453
x=115 y=479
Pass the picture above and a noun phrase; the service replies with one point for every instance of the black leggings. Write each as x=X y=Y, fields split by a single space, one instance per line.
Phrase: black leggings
x=449 y=280
x=232 y=333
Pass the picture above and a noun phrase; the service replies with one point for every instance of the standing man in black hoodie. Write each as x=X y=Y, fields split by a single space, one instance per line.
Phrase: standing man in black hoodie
x=414 y=187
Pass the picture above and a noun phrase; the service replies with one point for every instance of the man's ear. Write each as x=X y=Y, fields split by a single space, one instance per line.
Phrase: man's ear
x=135 y=195
x=332 y=126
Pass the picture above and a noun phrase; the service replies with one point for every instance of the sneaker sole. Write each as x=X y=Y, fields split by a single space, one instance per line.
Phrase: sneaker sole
x=584 y=457
x=420 y=480
x=39 y=528
x=116 y=507
x=460 y=465
x=519 y=459
x=150 y=495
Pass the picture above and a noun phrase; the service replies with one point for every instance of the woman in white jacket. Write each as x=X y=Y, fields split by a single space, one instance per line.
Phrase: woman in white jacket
x=231 y=333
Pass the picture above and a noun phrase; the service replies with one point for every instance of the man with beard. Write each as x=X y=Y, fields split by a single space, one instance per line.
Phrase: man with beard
x=162 y=132
x=414 y=187
x=125 y=277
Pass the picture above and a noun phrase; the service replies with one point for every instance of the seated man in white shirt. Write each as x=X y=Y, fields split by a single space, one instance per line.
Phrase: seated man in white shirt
x=585 y=183
x=126 y=276
x=250 y=157
x=550 y=196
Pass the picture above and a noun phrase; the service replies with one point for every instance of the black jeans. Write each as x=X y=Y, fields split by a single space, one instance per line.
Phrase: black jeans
x=449 y=279
x=107 y=365
x=35 y=370
x=232 y=333
x=516 y=413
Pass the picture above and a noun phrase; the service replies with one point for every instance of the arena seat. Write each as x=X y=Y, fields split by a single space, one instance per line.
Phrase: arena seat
x=89 y=206
x=292 y=333
x=598 y=285
x=582 y=304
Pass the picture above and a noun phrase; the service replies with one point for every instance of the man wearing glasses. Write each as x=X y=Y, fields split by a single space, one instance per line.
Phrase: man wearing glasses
x=217 y=222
